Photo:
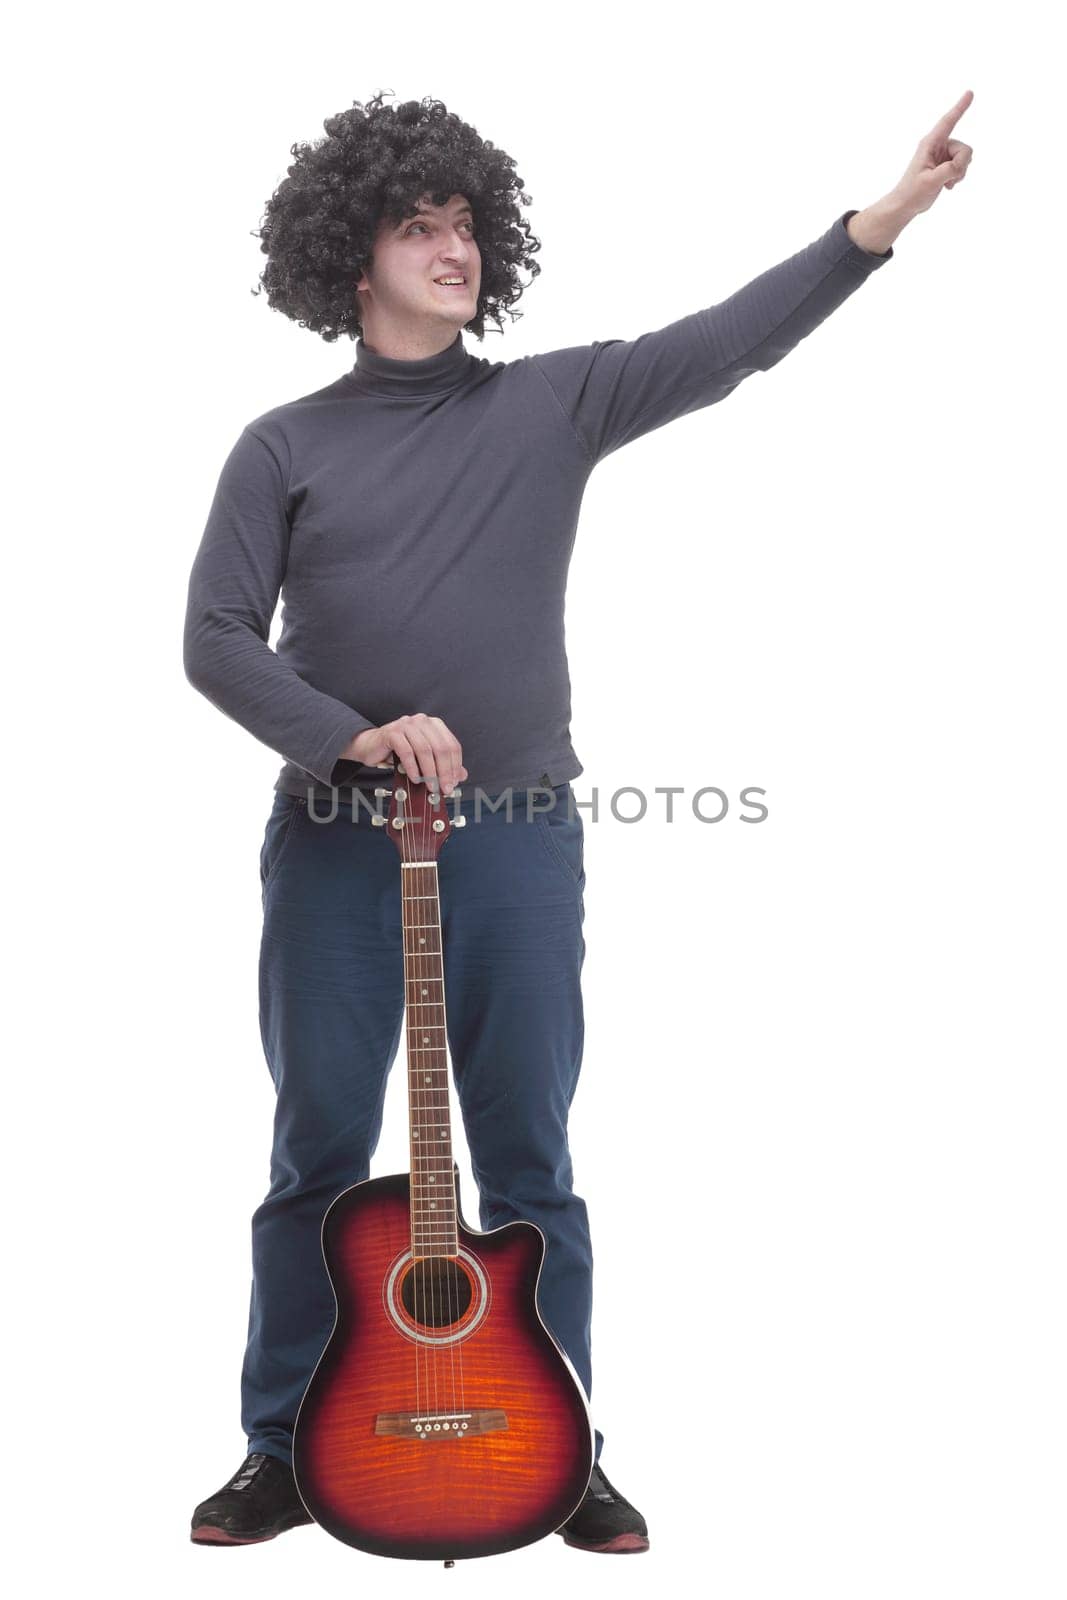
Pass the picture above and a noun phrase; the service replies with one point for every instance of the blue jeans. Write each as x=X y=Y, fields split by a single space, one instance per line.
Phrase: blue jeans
x=331 y=1015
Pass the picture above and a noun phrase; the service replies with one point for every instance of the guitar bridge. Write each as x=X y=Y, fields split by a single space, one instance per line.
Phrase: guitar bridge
x=440 y=1424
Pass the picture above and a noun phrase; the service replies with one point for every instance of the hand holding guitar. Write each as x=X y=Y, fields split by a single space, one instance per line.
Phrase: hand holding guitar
x=424 y=746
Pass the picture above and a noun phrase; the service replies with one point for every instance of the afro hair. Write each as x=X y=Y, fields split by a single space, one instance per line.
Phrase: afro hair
x=376 y=163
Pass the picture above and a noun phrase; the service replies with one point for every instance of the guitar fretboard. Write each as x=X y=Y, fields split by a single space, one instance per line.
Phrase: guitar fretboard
x=433 y=1196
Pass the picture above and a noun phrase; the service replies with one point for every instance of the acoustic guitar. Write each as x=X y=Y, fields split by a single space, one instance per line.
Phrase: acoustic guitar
x=443 y=1418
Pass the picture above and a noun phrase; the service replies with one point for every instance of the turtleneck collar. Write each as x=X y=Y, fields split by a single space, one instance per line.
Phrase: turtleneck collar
x=377 y=374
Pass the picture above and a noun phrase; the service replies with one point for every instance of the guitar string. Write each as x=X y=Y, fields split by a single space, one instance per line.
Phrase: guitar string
x=425 y=1260
x=456 y=1344
x=422 y=895
x=430 y=870
x=419 y=1409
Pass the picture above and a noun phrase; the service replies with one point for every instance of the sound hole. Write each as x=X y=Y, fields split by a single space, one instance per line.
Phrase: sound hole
x=436 y=1291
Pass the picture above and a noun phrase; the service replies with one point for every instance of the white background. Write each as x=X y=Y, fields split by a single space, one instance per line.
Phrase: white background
x=821 y=1104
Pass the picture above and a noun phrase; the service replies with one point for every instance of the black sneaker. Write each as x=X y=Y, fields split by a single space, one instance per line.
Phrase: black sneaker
x=259 y=1502
x=605 y=1520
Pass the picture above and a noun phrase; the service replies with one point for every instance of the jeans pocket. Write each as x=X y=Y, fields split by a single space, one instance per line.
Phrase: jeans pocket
x=276 y=835
x=563 y=835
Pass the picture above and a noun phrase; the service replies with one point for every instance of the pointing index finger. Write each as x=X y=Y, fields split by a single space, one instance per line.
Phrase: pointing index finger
x=944 y=127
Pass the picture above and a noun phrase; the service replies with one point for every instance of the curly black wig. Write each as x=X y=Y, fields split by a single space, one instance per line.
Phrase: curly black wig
x=376 y=163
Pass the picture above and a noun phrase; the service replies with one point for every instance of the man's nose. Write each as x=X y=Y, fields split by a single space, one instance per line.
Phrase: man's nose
x=460 y=251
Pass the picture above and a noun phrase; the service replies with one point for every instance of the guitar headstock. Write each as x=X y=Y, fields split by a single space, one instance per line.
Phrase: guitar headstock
x=417 y=820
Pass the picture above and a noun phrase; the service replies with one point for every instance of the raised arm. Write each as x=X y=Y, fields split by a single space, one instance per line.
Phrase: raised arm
x=617 y=390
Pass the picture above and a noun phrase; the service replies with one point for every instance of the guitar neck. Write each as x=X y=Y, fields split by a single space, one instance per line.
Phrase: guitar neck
x=433 y=1195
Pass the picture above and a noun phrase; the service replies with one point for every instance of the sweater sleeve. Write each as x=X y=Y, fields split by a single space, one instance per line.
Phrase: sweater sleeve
x=616 y=390
x=233 y=590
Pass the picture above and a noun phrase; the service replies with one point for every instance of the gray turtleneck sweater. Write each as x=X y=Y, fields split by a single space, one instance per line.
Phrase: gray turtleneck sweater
x=418 y=519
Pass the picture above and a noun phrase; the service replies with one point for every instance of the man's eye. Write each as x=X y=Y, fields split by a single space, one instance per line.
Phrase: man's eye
x=415 y=225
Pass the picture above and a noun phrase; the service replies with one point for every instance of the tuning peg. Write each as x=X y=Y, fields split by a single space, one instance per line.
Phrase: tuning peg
x=383 y=792
x=377 y=822
x=459 y=822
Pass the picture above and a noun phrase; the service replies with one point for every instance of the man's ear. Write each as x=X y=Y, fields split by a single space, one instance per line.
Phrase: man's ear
x=368 y=266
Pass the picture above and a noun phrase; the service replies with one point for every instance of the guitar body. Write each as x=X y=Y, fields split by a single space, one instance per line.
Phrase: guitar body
x=443 y=1419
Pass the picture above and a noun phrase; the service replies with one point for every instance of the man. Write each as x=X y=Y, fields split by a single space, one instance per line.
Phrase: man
x=419 y=513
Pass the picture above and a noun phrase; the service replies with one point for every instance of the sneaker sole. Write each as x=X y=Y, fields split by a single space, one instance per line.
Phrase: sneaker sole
x=206 y=1534
x=623 y=1544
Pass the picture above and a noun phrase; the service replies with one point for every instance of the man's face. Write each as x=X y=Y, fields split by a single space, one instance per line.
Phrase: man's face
x=400 y=286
